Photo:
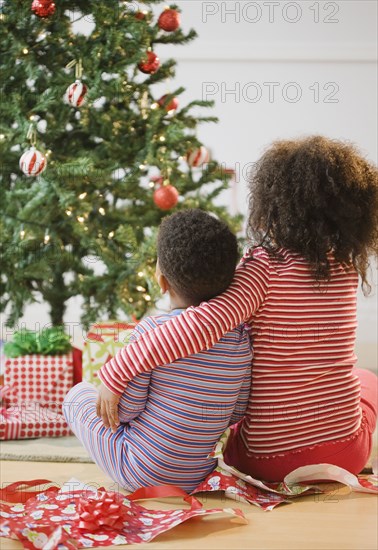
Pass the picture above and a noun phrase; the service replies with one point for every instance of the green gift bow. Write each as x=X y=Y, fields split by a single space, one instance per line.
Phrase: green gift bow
x=49 y=341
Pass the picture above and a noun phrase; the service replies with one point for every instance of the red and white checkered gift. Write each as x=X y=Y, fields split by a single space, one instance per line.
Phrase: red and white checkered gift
x=45 y=379
x=26 y=421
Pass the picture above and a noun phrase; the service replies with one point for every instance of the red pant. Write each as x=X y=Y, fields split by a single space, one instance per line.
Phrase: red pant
x=350 y=453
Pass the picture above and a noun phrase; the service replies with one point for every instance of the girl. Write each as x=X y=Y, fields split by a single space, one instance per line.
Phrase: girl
x=313 y=225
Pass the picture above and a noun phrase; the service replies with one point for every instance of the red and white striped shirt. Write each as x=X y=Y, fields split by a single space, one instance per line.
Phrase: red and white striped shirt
x=303 y=390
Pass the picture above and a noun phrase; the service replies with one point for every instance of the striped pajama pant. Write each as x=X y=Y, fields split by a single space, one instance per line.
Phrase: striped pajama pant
x=105 y=447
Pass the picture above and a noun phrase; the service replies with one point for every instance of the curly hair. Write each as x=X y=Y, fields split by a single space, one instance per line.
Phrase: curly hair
x=197 y=254
x=316 y=196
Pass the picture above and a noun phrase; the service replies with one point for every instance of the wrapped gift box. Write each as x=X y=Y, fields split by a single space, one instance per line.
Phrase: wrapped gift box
x=102 y=342
x=45 y=379
x=31 y=420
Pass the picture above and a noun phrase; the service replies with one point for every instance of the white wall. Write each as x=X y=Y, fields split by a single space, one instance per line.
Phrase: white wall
x=335 y=55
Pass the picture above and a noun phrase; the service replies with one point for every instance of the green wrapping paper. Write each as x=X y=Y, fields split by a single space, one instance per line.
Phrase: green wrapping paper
x=49 y=341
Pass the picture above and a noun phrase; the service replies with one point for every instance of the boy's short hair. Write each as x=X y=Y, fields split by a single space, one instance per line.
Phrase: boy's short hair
x=197 y=254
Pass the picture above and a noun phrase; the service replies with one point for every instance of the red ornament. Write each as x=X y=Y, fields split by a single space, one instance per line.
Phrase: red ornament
x=169 y=20
x=140 y=15
x=166 y=197
x=171 y=106
x=151 y=65
x=43 y=8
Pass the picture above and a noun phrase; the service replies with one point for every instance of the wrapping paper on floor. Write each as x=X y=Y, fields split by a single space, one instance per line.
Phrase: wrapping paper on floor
x=242 y=487
x=78 y=517
x=86 y=517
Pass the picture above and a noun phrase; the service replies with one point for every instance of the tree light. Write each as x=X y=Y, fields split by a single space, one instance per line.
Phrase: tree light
x=46 y=240
x=22 y=232
x=81 y=219
x=25 y=51
x=102 y=211
x=69 y=212
x=82 y=196
x=147 y=298
x=140 y=289
x=111 y=234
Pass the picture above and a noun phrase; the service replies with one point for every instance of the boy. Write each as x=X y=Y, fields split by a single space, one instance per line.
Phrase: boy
x=171 y=418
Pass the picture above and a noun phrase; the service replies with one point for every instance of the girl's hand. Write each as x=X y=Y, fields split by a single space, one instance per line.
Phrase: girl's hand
x=107 y=407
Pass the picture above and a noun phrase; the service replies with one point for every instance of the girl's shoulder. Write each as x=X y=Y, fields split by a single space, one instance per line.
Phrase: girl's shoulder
x=256 y=253
x=282 y=262
x=264 y=255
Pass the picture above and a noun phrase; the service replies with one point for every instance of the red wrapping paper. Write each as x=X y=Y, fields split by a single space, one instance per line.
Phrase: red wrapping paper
x=45 y=379
x=79 y=519
x=243 y=487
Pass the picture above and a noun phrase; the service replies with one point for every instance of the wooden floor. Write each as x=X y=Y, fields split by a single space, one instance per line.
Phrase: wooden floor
x=341 y=520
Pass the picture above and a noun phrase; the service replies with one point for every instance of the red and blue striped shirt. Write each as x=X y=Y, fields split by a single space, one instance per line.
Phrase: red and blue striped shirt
x=175 y=414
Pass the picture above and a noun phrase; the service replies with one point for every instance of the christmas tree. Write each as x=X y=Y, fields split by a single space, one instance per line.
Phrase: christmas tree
x=92 y=158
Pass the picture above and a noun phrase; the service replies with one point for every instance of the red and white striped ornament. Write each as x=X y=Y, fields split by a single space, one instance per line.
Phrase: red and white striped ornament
x=171 y=106
x=33 y=162
x=75 y=94
x=198 y=157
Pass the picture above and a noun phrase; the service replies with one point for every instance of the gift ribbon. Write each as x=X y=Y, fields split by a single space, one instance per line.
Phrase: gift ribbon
x=7 y=413
x=105 y=509
x=11 y=419
x=21 y=491
x=16 y=492
x=165 y=491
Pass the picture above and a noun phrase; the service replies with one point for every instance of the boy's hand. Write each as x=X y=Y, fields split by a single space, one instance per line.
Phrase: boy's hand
x=107 y=407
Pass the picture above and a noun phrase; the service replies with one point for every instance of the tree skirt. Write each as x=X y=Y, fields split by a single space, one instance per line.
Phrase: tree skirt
x=47 y=449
